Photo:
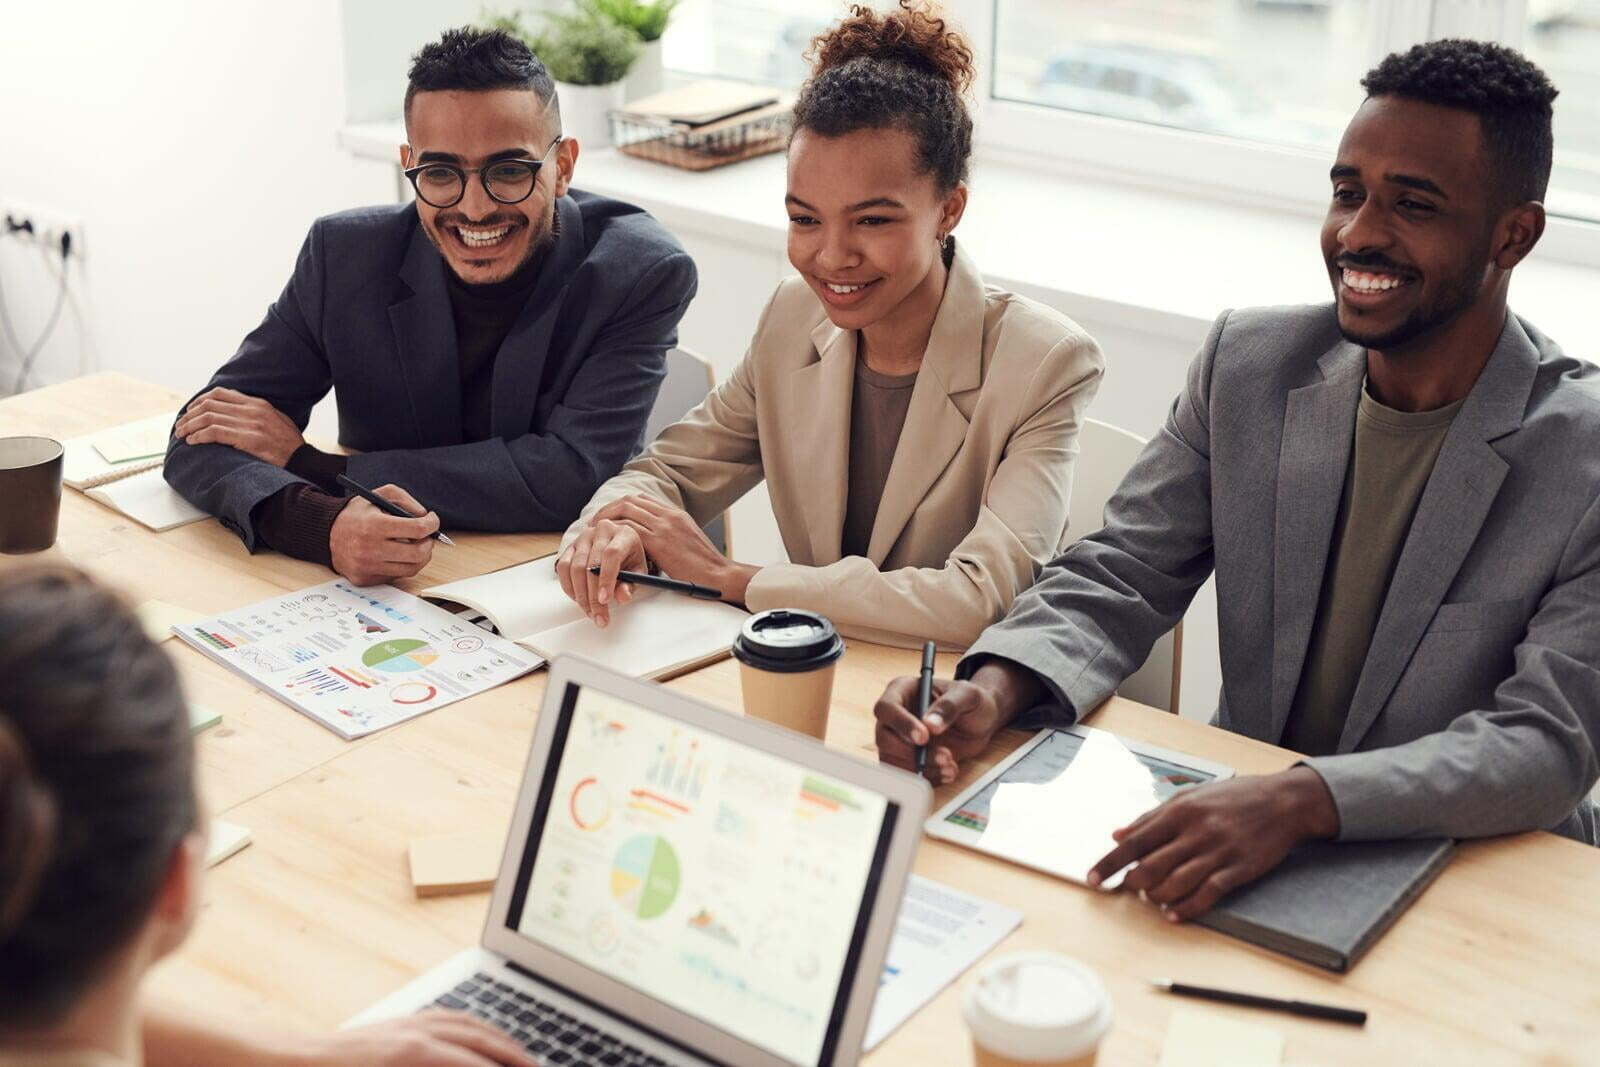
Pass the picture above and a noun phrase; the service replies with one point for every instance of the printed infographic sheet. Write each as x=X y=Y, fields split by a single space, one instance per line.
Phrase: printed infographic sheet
x=358 y=659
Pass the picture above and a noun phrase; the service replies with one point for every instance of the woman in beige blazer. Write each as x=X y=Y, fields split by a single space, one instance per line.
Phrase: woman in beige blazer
x=916 y=429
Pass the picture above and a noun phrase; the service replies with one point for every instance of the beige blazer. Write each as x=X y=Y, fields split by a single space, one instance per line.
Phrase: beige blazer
x=976 y=499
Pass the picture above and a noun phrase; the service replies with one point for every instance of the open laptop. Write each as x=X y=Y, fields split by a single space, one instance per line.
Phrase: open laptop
x=684 y=886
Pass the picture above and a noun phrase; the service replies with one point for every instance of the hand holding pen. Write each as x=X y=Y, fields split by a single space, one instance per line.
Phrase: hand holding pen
x=369 y=544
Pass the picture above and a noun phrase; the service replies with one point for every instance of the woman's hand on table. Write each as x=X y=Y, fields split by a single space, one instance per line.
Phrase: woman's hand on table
x=611 y=546
x=678 y=546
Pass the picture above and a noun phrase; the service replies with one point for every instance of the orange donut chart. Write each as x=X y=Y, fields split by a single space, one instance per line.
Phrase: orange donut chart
x=413 y=693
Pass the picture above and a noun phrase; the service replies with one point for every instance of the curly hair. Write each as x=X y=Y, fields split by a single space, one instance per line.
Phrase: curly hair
x=477 y=59
x=1509 y=94
x=905 y=69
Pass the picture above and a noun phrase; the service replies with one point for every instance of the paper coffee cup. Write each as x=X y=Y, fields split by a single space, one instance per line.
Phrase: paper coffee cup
x=1037 y=1009
x=786 y=660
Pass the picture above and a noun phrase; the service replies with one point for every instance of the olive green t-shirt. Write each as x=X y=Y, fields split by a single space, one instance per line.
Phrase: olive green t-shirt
x=878 y=407
x=1391 y=460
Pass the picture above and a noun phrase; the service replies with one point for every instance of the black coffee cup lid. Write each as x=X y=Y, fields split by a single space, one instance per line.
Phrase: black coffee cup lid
x=787 y=640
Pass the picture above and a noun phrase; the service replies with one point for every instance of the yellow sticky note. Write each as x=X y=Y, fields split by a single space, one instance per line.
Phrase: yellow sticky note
x=1199 y=1038
x=159 y=617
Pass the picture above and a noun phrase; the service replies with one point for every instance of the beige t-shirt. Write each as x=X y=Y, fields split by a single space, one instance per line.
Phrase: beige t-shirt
x=878 y=407
x=1391 y=460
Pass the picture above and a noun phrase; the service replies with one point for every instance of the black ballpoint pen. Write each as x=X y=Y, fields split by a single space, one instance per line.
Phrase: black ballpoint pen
x=388 y=507
x=925 y=697
x=671 y=584
x=1251 y=1000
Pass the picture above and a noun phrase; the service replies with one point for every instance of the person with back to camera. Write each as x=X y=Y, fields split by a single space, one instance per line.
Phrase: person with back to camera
x=916 y=428
x=102 y=857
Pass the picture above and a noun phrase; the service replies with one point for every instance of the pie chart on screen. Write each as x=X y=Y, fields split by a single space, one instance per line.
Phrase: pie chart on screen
x=400 y=655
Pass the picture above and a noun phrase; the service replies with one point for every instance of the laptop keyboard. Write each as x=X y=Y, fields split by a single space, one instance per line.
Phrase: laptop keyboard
x=553 y=1035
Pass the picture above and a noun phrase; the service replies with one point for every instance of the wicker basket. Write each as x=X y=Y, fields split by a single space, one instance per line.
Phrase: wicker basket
x=754 y=133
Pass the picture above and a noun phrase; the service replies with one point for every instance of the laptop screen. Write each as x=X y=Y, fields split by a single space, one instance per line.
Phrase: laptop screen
x=722 y=880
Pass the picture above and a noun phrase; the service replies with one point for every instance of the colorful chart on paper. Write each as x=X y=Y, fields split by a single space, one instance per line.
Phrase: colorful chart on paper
x=358 y=659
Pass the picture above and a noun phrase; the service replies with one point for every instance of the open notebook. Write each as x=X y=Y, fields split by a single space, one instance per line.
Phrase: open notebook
x=657 y=635
x=121 y=468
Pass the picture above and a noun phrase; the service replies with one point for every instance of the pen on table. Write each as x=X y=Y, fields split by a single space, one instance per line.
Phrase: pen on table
x=924 y=696
x=1293 y=1007
x=670 y=584
x=388 y=507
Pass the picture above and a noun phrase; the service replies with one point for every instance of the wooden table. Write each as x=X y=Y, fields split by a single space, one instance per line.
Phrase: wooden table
x=1495 y=964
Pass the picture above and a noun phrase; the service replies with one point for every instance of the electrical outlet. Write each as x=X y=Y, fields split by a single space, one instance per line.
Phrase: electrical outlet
x=48 y=225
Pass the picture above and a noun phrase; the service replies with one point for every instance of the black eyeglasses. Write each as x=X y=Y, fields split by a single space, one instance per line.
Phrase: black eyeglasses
x=507 y=181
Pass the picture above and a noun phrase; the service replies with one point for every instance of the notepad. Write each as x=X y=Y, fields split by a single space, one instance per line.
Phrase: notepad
x=458 y=863
x=202 y=718
x=1200 y=1038
x=656 y=635
x=146 y=498
x=226 y=839
x=88 y=460
x=159 y=617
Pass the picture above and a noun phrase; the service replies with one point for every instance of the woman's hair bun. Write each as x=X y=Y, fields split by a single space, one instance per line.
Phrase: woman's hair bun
x=911 y=34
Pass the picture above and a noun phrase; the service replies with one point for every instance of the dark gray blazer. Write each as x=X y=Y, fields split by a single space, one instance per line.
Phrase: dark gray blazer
x=367 y=314
x=1478 y=708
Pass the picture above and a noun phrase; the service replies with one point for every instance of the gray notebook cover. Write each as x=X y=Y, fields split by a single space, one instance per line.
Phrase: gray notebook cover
x=1329 y=901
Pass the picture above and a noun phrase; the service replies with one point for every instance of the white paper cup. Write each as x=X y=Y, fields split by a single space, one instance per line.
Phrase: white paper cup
x=1036 y=1009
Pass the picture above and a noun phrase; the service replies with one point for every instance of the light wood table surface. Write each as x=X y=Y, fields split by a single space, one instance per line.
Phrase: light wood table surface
x=1496 y=963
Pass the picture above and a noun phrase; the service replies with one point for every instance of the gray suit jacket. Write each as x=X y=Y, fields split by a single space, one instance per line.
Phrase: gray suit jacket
x=1478 y=708
x=367 y=314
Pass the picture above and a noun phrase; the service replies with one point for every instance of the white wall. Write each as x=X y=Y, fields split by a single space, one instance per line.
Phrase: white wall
x=197 y=143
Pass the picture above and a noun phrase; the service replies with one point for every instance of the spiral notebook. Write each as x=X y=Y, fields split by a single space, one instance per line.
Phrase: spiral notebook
x=121 y=468
x=119 y=452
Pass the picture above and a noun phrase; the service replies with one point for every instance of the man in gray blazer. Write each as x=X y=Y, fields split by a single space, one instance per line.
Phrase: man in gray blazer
x=1399 y=495
x=494 y=348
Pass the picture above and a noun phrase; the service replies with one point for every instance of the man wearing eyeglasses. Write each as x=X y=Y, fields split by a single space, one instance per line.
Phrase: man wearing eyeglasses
x=494 y=348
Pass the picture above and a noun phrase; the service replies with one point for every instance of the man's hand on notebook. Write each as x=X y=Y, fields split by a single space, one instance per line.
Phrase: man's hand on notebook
x=228 y=417
x=1212 y=839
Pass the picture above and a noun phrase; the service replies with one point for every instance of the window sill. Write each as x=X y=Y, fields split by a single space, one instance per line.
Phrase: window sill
x=1105 y=252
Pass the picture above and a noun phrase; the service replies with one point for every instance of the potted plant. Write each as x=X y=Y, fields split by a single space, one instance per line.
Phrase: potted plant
x=648 y=20
x=588 y=55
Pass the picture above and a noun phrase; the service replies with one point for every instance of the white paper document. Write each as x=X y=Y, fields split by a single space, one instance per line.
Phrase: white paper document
x=941 y=932
x=357 y=659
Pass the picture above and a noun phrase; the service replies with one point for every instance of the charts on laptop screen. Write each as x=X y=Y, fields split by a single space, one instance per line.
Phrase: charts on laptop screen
x=719 y=879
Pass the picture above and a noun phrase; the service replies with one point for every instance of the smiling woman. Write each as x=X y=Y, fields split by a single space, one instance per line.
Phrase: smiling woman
x=916 y=428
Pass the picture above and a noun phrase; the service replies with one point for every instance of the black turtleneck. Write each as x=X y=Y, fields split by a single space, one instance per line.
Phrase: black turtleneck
x=297 y=519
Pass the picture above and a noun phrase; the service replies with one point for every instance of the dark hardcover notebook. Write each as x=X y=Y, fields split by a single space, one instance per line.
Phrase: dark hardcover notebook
x=1329 y=901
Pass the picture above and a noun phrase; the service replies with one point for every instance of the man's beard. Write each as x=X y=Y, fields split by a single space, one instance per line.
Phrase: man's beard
x=540 y=243
x=1459 y=294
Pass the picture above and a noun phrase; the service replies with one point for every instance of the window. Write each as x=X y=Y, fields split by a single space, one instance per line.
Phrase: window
x=1259 y=70
x=1563 y=37
x=747 y=40
x=1244 y=97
